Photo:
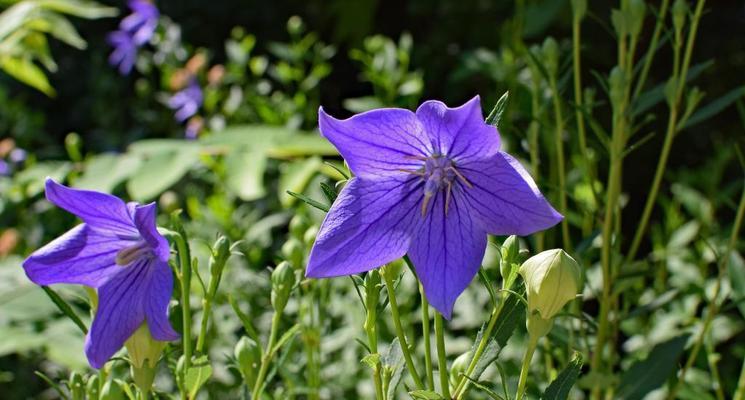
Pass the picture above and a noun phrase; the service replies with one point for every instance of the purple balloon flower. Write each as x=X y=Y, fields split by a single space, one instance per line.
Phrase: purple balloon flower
x=187 y=101
x=117 y=250
x=125 y=51
x=142 y=22
x=4 y=168
x=432 y=184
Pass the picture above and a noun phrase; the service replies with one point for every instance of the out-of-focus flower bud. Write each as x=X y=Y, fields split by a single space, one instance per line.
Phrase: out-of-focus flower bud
x=283 y=281
x=680 y=11
x=616 y=82
x=112 y=390
x=550 y=52
x=292 y=251
x=310 y=235
x=552 y=279
x=144 y=353
x=510 y=251
x=298 y=225
x=636 y=12
x=76 y=383
x=459 y=367
x=215 y=74
x=168 y=202
x=92 y=388
x=73 y=144
x=295 y=25
x=248 y=355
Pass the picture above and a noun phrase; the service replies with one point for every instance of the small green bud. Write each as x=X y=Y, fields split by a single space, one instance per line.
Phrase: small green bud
x=295 y=25
x=616 y=83
x=92 y=388
x=680 y=11
x=510 y=254
x=283 y=281
x=292 y=251
x=169 y=202
x=220 y=255
x=671 y=89
x=73 y=145
x=298 y=225
x=144 y=353
x=309 y=237
x=636 y=12
x=76 y=384
x=248 y=355
x=550 y=52
x=552 y=279
x=112 y=390
x=619 y=21
x=459 y=368
x=579 y=9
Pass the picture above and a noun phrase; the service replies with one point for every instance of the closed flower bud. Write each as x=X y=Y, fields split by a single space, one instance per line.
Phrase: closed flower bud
x=616 y=82
x=144 y=353
x=551 y=55
x=220 y=254
x=292 y=251
x=552 y=278
x=510 y=255
x=459 y=368
x=248 y=355
x=680 y=10
x=298 y=225
x=579 y=8
x=77 y=386
x=283 y=280
x=310 y=235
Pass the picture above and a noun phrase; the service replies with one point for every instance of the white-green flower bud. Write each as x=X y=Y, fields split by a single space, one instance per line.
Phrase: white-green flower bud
x=680 y=11
x=616 y=83
x=310 y=235
x=220 y=255
x=292 y=251
x=283 y=281
x=635 y=14
x=579 y=9
x=510 y=252
x=144 y=353
x=298 y=225
x=248 y=355
x=552 y=279
x=550 y=52
x=459 y=368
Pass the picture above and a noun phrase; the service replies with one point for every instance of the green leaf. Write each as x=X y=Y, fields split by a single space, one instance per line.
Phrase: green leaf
x=295 y=177
x=559 y=388
x=62 y=29
x=393 y=361
x=104 y=172
x=32 y=179
x=309 y=201
x=495 y=116
x=512 y=315
x=736 y=272
x=244 y=171
x=79 y=8
x=647 y=375
x=197 y=375
x=426 y=395
x=160 y=171
x=715 y=107
x=24 y=69
x=65 y=308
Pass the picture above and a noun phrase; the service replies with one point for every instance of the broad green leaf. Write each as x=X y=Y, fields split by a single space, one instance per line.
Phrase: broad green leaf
x=79 y=8
x=33 y=178
x=104 y=172
x=244 y=170
x=647 y=375
x=24 y=69
x=559 y=388
x=512 y=315
x=393 y=361
x=296 y=145
x=62 y=29
x=736 y=272
x=160 y=171
x=197 y=375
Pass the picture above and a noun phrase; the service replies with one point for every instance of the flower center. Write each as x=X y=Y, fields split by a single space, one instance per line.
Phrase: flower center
x=129 y=254
x=438 y=173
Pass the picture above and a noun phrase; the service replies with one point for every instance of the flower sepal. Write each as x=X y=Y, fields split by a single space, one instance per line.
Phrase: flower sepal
x=144 y=353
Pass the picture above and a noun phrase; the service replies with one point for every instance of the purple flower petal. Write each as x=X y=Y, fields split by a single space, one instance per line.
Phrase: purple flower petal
x=369 y=225
x=506 y=198
x=120 y=312
x=447 y=251
x=144 y=217
x=379 y=142
x=80 y=256
x=156 y=307
x=100 y=211
x=459 y=133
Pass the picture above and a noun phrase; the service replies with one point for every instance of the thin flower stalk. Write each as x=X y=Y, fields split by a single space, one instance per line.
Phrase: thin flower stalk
x=427 y=339
x=442 y=364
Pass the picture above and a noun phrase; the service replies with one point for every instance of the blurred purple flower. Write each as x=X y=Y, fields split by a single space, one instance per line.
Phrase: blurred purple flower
x=125 y=51
x=135 y=30
x=4 y=168
x=17 y=155
x=187 y=101
x=431 y=184
x=142 y=22
x=117 y=250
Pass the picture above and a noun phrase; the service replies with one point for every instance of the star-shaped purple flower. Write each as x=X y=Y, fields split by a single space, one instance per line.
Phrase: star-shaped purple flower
x=117 y=250
x=125 y=51
x=134 y=31
x=187 y=101
x=432 y=184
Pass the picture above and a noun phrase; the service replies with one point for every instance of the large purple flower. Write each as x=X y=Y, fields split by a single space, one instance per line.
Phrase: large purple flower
x=431 y=184
x=187 y=101
x=117 y=250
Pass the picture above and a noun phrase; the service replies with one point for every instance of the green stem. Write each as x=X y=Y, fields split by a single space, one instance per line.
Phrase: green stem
x=267 y=358
x=463 y=384
x=532 y=344
x=442 y=364
x=561 y=170
x=400 y=330
x=669 y=134
x=713 y=307
x=652 y=48
x=740 y=391
x=427 y=344
x=185 y=277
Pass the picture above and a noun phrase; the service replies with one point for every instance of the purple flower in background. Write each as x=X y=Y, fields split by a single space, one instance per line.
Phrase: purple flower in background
x=134 y=31
x=142 y=22
x=18 y=155
x=432 y=184
x=125 y=51
x=187 y=101
x=117 y=250
x=4 y=168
